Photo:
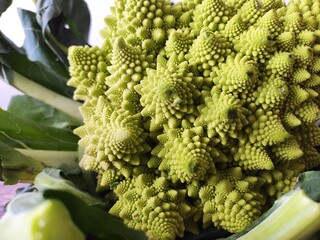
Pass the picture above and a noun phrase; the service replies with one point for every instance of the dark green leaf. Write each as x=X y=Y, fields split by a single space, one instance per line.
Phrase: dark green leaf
x=310 y=183
x=23 y=133
x=30 y=108
x=35 y=60
x=92 y=220
x=16 y=167
x=73 y=20
x=64 y=24
x=4 y=4
x=35 y=45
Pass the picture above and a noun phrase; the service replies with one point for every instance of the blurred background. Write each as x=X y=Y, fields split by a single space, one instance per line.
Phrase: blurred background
x=10 y=25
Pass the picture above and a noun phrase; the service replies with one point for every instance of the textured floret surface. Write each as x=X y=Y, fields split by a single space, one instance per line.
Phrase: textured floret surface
x=201 y=112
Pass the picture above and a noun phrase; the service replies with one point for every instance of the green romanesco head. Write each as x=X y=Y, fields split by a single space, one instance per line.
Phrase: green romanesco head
x=201 y=112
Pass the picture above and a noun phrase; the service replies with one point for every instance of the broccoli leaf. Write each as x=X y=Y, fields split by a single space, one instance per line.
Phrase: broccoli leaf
x=36 y=48
x=22 y=133
x=92 y=220
x=34 y=60
x=51 y=178
x=309 y=182
x=75 y=13
x=30 y=108
x=63 y=24
x=4 y=4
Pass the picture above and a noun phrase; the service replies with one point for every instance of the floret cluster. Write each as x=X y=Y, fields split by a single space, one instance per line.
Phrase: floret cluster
x=201 y=112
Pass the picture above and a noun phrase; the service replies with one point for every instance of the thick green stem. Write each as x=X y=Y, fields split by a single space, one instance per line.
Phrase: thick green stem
x=296 y=218
x=47 y=96
x=52 y=158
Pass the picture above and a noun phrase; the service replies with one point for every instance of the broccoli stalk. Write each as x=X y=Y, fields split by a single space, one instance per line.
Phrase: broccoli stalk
x=64 y=104
x=52 y=158
x=23 y=165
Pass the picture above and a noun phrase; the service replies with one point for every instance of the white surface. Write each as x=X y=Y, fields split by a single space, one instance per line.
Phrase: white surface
x=10 y=25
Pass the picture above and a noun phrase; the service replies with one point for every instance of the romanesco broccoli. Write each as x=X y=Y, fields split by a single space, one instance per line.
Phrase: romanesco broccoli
x=199 y=112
